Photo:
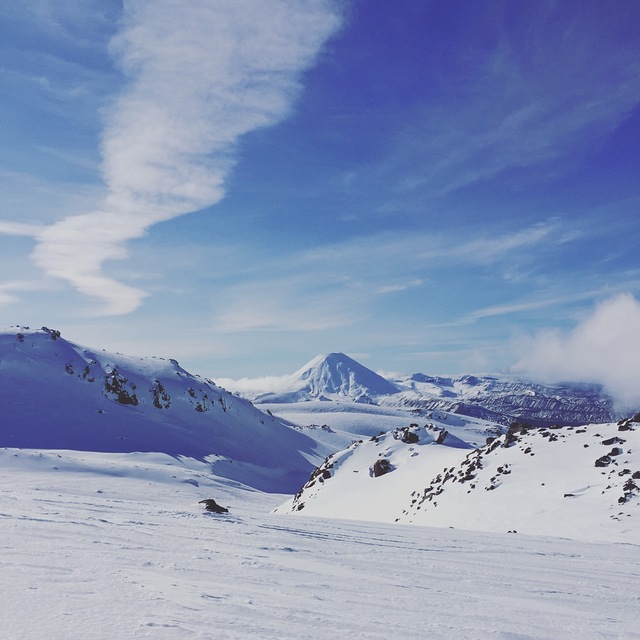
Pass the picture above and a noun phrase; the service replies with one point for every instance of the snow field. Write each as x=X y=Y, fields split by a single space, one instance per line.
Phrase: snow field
x=100 y=546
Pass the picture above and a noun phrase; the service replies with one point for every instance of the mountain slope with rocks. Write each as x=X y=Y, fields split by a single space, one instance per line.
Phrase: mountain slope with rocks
x=579 y=482
x=58 y=395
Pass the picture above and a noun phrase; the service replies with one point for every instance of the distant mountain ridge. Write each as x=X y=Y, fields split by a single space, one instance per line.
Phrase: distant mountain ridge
x=501 y=399
x=505 y=399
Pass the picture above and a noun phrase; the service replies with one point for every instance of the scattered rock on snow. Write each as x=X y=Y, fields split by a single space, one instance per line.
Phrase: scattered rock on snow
x=380 y=467
x=212 y=506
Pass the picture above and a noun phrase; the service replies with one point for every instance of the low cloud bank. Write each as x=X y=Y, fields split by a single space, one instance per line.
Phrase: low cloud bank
x=603 y=348
x=255 y=386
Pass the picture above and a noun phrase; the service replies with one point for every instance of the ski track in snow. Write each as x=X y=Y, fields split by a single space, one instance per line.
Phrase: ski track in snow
x=128 y=553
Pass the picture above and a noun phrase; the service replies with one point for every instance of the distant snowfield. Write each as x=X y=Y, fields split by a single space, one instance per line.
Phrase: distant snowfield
x=351 y=420
x=102 y=546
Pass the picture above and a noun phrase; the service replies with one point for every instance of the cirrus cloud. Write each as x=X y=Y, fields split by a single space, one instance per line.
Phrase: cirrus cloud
x=200 y=75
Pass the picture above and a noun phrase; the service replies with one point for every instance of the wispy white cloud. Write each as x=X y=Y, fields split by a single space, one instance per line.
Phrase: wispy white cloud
x=10 y=291
x=19 y=229
x=532 y=304
x=603 y=348
x=200 y=76
x=291 y=304
x=378 y=252
x=400 y=286
x=336 y=285
x=7 y=296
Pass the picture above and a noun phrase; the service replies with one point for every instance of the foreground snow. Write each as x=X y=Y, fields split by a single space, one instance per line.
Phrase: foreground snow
x=116 y=546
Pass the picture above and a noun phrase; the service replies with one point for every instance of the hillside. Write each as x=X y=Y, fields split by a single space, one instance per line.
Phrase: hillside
x=576 y=482
x=55 y=394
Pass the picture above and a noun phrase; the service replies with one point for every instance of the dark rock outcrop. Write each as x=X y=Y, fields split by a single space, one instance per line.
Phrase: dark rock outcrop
x=380 y=467
x=212 y=506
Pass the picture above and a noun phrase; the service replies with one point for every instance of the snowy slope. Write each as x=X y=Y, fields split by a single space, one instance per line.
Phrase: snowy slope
x=100 y=546
x=57 y=395
x=575 y=482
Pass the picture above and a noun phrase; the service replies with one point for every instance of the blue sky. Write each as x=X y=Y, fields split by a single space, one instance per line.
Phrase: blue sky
x=428 y=186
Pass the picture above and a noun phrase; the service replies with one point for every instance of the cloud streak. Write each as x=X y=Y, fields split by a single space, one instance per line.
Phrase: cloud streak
x=357 y=272
x=603 y=348
x=200 y=76
x=557 y=80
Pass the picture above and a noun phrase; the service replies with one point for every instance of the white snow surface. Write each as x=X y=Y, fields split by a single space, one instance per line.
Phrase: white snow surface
x=108 y=545
x=349 y=421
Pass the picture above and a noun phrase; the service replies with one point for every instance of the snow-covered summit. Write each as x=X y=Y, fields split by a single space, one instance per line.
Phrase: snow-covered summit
x=338 y=374
x=333 y=376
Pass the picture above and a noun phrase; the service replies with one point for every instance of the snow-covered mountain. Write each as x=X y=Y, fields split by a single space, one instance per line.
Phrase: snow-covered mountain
x=102 y=504
x=497 y=399
x=579 y=482
x=57 y=395
x=334 y=376
x=504 y=399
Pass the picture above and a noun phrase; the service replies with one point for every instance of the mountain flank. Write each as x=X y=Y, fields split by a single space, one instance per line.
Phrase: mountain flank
x=579 y=482
x=55 y=394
